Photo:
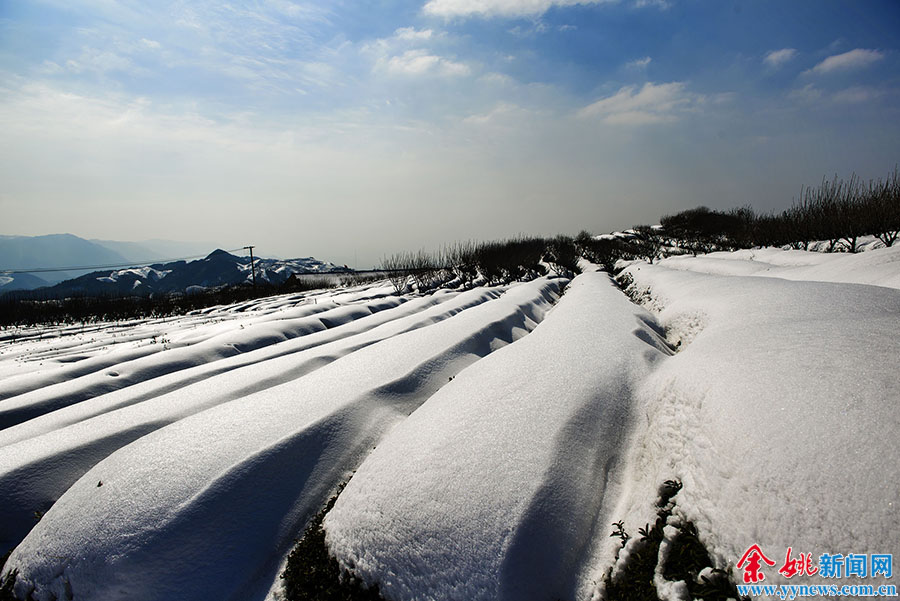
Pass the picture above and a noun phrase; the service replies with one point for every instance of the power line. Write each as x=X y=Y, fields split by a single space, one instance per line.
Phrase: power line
x=110 y=266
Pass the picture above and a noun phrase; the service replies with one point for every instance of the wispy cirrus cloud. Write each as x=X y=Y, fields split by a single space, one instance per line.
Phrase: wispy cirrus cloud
x=811 y=95
x=848 y=61
x=778 y=58
x=661 y=4
x=503 y=114
x=651 y=103
x=640 y=63
x=856 y=95
x=808 y=94
x=498 y=8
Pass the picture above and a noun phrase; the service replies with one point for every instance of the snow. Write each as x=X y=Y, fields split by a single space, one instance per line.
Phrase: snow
x=494 y=436
x=154 y=528
x=880 y=268
x=56 y=440
x=504 y=477
x=780 y=412
x=141 y=273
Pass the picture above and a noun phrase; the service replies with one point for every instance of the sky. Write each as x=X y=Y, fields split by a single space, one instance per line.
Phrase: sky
x=352 y=130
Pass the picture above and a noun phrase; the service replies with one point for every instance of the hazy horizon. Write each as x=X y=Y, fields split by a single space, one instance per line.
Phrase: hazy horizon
x=356 y=130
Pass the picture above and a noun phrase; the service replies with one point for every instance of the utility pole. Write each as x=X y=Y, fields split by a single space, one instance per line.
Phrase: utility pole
x=252 y=266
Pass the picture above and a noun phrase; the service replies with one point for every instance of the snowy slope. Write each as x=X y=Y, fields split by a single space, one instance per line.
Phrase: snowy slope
x=880 y=267
x=495 y=437
x=779 y=413
x=45 y=455
x=499 y=484
x=154 y=528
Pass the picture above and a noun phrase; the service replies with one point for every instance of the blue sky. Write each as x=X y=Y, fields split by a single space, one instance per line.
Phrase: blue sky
x=348 y=130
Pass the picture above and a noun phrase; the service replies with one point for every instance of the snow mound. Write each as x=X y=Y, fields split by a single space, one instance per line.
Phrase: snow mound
x=497 y=487
x=879 y=267
x=780 y=417
x=45 y=455
x=178 y=458
x=207 y=506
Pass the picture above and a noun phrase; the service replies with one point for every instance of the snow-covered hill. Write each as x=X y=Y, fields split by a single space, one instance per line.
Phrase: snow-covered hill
x=494 y=433
x=219 y=268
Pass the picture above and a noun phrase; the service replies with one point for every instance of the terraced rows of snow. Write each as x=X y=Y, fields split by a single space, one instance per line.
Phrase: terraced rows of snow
x=499 y=485
x=56 y=448
x=148 y=520
x=494 y=437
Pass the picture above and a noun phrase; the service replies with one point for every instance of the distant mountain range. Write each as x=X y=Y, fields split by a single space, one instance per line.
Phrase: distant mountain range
x=219 y=268
x=56 y=250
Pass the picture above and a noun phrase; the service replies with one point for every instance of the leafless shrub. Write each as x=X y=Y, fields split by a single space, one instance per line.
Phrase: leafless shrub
x=647 y=242
x=396 y=267
x=562 y=256
x=461 y=259
x=510 y=260
x=882 y=208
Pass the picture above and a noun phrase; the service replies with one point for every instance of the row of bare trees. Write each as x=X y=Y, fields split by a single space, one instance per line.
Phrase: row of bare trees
x=494 y=262
x=843 y=211
x=838 y=212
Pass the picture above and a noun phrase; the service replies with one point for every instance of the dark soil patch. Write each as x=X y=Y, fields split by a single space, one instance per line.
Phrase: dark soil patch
x=312 y=574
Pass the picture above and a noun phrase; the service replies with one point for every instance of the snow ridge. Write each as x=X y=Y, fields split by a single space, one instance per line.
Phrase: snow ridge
x=503 y=478
x=777 y=417
x=147 y=521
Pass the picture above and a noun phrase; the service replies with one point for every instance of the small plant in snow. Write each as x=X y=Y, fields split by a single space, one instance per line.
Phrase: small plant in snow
x=686 y=559
x=620 y=532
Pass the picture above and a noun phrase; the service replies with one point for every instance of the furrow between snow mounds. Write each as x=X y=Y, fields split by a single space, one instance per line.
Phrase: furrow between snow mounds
x=54 y=450
x=208 y=506
x=780 y=417
x=18 y=409
x=493 y=488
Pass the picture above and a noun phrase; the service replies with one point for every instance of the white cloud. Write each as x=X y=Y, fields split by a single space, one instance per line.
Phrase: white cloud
x=808 y=94
x=420 y=62
x=402 y=38
x=494 y=78
x=652 y=103
x=536 y=27
x=310 y=10
x=640 y=63
x=777 y=58
x=150 y=43
x=448 y=67
x=503 y=113
x=854 y=59
x=412 y=34
x=498 y=8
x=50 y=68
x=100 y=61
x=856 y=95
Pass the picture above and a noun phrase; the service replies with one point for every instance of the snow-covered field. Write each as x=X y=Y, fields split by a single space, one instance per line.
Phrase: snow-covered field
x=492 y=435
